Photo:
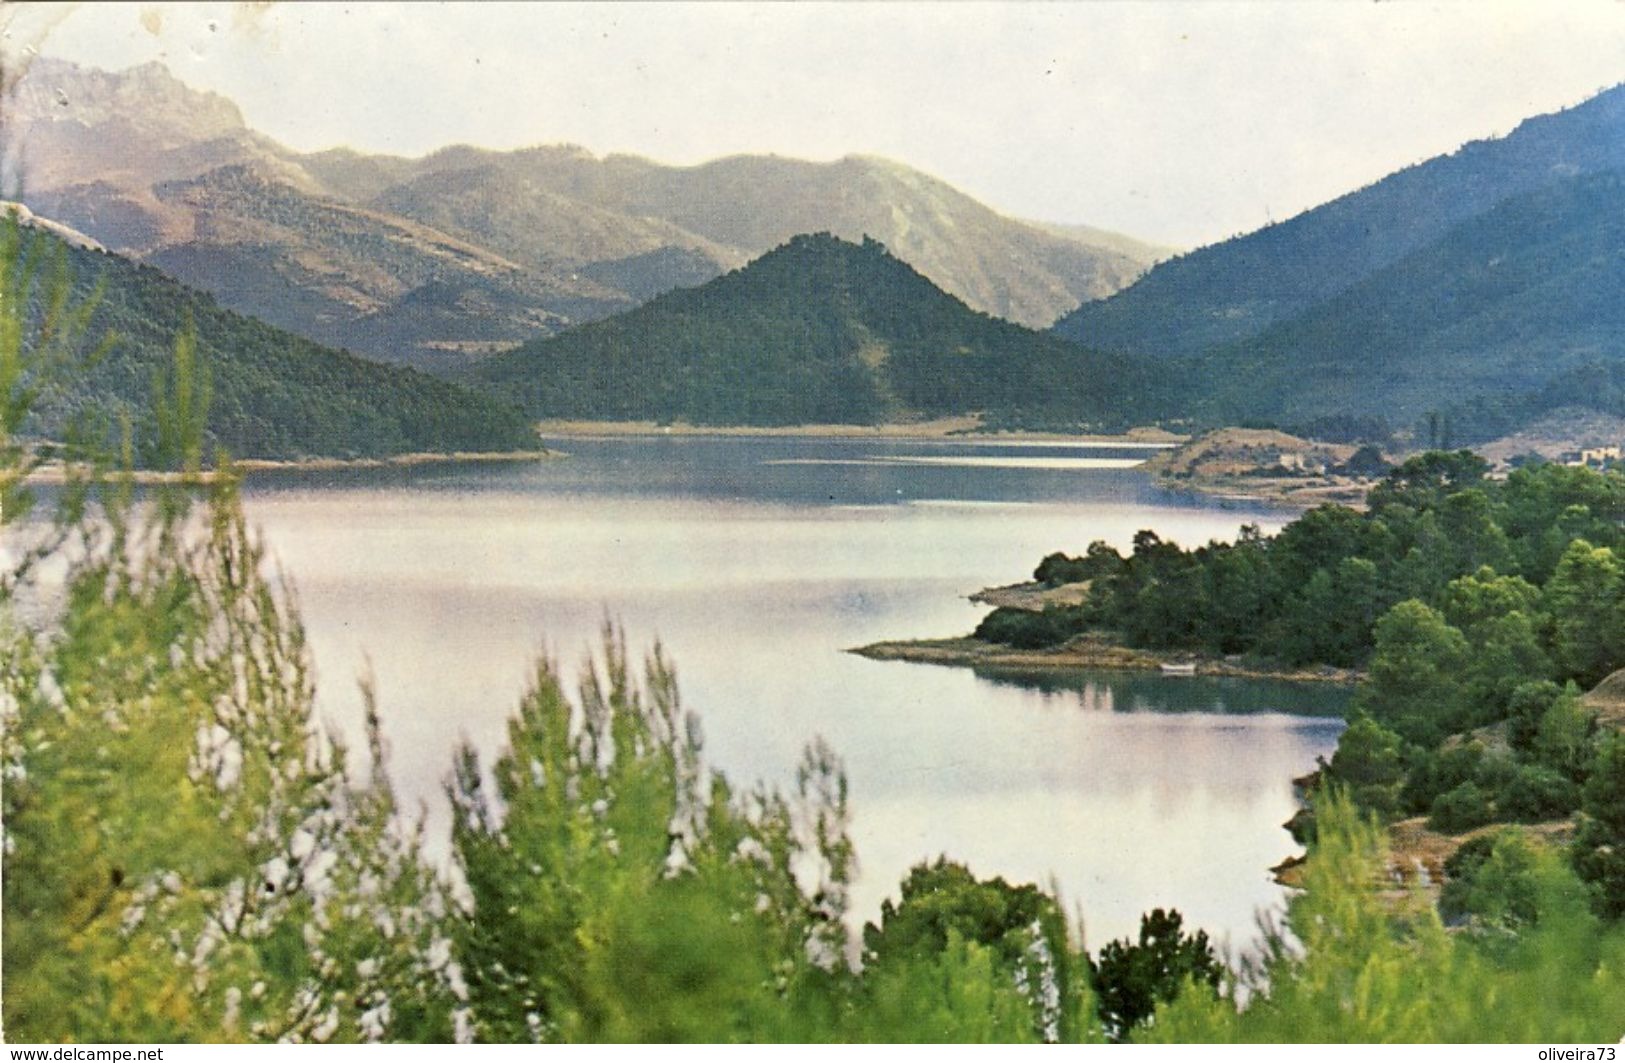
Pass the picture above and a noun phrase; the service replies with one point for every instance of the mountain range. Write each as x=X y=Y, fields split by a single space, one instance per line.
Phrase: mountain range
x=1486 y=285
x=1483 y=288
x=1237 y=288
x=1499 y=307
x=443 y=259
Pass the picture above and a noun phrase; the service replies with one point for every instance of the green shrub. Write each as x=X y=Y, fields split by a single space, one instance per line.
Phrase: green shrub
x=1536 y=794
x=1028 y=630
x=1490 y=879
x=1461 y=809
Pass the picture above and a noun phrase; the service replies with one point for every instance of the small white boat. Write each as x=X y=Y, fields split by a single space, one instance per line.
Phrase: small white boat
x=1187 y=668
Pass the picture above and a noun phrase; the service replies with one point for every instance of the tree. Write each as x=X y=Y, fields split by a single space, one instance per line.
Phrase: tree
x=1329 y=618
x=1586 y=598
x=1132 y=978
x=1599 y=844
x=1358 y=962
x=187 y=857
x=1020 y=927
x=1414 y=681
x=1420 y=482
x=1369 y=761
x=622 y=893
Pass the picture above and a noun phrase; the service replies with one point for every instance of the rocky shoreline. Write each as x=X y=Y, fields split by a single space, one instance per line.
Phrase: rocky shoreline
x=1295 y=493
x=1090 y=652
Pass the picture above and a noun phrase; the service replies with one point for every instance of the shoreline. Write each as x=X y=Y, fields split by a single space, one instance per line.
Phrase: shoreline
x=1293 y=494
x=960 y=429
x=1087 y=652
x=56 y=474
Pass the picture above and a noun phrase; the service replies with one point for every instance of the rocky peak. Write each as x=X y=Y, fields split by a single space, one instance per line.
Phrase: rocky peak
x=147 y=96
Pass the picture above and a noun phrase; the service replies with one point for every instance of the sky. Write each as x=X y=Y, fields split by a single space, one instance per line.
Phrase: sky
x=1179 y=122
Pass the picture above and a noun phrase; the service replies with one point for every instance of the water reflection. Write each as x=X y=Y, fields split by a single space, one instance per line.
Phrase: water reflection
x=1096 y=691
x=1128 y=791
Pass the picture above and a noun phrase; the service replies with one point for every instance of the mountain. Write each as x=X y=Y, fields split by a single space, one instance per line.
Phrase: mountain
x=743 y=206
x=818 y=330
x=1502 y=306
x=547 y=237
x=1237 y=289
x=274 y=395
x=356 y=277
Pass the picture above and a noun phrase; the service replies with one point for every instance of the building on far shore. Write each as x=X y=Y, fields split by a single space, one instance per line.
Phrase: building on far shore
x=1592 y=457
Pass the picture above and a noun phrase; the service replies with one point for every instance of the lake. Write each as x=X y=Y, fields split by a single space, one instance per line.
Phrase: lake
x=756 y=562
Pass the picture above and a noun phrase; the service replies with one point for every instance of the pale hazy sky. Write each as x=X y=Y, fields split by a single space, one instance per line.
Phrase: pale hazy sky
x=1183 y=122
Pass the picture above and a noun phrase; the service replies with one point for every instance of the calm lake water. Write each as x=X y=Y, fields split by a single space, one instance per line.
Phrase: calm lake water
x=756 y=562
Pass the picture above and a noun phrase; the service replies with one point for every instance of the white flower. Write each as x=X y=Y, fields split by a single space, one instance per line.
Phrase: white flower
x=327 y=1027
x=230 y=766
x=374 y=1021
x=454 y=981
x=317 y=872
x=275 y=872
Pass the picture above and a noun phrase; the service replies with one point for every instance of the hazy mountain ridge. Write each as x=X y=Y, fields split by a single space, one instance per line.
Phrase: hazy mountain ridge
x=108 y=152
x=1499 y=306
x=817 y=331
x=334 y=271
x=1234 y=289
x=739 y=207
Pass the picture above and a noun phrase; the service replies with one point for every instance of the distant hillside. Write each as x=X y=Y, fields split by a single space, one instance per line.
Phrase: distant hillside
x=1237 y=289
x=740 y=207
x=154 y=169
x=356 y=277
x=1480 y=322
x=496 y=202
x=819 y=330
x=275 y=395
x=1554 y=433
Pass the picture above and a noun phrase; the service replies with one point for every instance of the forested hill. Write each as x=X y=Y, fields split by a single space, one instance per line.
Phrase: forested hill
x=1512 y=312
x=817 y=331
x=1237 y=288
x=274 y=395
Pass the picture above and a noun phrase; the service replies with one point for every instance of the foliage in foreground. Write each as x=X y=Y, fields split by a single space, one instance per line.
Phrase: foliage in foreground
x=1356 y=963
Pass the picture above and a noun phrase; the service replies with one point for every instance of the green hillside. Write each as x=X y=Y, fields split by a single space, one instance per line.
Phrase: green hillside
x=1238 y=288
x=1525 y=300
x=816 y=331
x=275 y=395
